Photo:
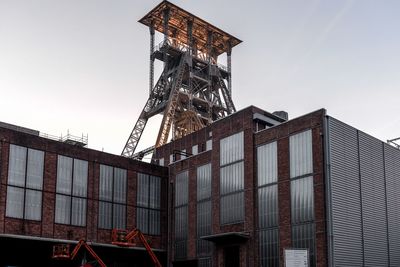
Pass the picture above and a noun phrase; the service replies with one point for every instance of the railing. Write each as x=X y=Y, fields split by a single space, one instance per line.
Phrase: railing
x=69 y=139
x=175 y=43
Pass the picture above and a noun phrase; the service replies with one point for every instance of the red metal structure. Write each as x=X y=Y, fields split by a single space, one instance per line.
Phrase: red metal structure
x=62 y=251
x=123 y=238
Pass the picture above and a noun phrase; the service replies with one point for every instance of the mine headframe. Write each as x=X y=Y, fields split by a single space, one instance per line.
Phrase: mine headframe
x=194 y=89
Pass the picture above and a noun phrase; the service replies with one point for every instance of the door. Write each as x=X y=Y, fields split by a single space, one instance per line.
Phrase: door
x=232 y=256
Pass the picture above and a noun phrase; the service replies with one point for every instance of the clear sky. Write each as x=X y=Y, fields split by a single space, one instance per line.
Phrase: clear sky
x=82 y=65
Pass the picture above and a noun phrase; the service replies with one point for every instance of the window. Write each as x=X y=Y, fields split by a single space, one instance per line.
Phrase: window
x=232 y=179
x=209 y=145
x=204 y=216
x=181 y=214
x=25 y=183
x=195 y=149
x=161 y=162
x=148 y=204
x=267 y=174
x=302 y=192
x=71 y=191
x=112 y=198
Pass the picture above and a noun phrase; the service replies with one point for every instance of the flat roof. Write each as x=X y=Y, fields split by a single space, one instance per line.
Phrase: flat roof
x=177 y=28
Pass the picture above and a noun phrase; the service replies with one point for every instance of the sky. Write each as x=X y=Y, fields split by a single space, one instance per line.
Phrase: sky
x=83 y=65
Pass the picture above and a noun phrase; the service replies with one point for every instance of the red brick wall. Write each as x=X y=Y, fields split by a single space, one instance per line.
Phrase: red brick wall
x=47 y=228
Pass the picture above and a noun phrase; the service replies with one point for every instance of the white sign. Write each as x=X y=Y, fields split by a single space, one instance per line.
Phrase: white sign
x=296 y=258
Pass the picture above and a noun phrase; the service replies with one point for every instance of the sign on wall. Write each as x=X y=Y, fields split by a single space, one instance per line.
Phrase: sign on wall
x=296 y=257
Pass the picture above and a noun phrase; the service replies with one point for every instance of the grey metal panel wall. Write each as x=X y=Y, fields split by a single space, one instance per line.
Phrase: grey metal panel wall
x=345 y=194
x=392 y=171
x=373 y=201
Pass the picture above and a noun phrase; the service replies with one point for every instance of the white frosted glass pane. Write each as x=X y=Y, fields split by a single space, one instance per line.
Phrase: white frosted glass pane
x=78 y=216
x=119 y=185
x=105 y=212
x=34 y=176
x=64 y=175
x=33 y=205
x=267 y=163
x=119 y=216
x=143 y=190
x=231 y=148
x=15 y=202
x=106 y=182
x=80 y=178
x=301 y=154
x=63 y=209
x=17 y=165
x=155 y=191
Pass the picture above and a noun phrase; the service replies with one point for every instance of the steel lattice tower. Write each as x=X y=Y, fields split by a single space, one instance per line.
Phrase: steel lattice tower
x=193 y=89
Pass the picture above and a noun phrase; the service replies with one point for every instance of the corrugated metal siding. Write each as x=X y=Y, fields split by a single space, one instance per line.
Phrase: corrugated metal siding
x=345 y=195
x=269 y=247
x=300 y=154
x=373 y=201
x=231 y=148
x=268 y=206
x=302 y=200
x=392 y=171
x=267 y=164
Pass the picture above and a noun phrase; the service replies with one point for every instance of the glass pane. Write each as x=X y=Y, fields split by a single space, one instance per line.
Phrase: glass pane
x=232 y=208
x=205 y=262
x=302 y=200
x=15 y=202
x=154 y=222
x=64 y=175
x=63 y=209
x=268 y=206
x=143 y=190
x=105 y=213
x=180 y=249
x=142 y=220
x=269 y=248
x=17 y=165
x=303 y=236
x=106 y=183
x=181 y=223
x=232 y=178
x=80 y=178
x=119 y=185
x=33 y=205
x=267 y=164
x=34 y=177
x=231 y=148
x=155 y=192
x=181 y=188
x=301 y=154
x=119 y=216
x=204 y=182
x=78 y=216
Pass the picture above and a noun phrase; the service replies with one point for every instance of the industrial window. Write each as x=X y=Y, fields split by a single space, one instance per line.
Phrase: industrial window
x=71 y=191
x=204 y=216
x=181 y=214
x=302 y=192
x=25 y=183
x=267 y=176
x=232 y=179
x=195 y=149
x=148 y=204
x=209 y=145
x=112 y=197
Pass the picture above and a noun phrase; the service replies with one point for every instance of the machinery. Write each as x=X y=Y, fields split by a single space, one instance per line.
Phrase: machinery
x=125 y=239
x=62 y=251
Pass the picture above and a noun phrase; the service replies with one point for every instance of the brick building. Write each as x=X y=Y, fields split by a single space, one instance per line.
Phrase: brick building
x=236 y=193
